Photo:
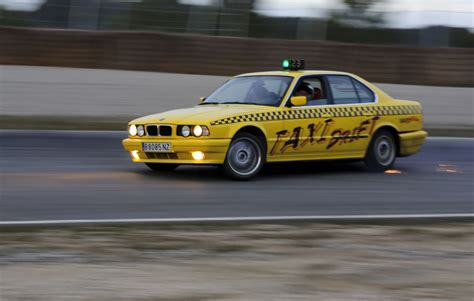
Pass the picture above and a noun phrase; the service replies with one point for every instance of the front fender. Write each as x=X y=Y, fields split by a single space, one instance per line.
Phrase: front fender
x=235 y=129
x=228 y=131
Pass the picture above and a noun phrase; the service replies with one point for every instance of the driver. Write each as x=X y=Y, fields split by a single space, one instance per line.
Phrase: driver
x=259 y=93
x=305 y=89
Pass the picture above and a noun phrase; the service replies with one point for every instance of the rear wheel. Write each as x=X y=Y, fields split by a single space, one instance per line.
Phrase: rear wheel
x=382 y=152
x=245 y=157
x=162 y=166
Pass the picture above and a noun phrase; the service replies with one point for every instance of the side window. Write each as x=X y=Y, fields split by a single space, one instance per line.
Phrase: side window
x=343 y=91
x=313 y=89
x=365 y=94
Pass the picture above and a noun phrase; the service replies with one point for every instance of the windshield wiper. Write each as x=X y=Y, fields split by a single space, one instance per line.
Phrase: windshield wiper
x=221 y=103
x=246 y=103
x=235 y=102
x=256 y=103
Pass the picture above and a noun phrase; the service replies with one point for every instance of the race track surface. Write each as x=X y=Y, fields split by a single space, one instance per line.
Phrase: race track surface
x=87 y=175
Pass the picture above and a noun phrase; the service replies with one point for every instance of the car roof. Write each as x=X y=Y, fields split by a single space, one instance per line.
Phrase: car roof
x=293 y=73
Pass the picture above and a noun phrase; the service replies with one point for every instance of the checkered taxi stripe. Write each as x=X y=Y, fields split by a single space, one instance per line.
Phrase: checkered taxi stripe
x=327 y=112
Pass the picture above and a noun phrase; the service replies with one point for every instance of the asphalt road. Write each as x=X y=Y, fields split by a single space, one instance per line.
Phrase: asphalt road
x=87 y=175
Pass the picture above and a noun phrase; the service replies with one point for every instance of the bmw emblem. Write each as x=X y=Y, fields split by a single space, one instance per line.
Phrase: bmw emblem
x=161 y=119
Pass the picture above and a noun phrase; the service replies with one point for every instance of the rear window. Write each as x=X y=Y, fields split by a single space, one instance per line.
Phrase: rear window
x=343 y=91
x=365 y=94
x=346 y=90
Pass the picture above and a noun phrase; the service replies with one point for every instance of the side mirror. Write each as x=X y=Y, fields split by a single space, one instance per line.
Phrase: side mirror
x=201 y=100
x=298 y=101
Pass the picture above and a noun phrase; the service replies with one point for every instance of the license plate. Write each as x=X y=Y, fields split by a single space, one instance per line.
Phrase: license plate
x=156 y=147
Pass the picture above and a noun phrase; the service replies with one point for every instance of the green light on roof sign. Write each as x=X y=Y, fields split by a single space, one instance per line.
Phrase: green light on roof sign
x=293 y=65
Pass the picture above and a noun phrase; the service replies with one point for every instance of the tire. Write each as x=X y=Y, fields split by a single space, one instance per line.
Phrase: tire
x=162 y=166
x=245 y=157
x=382 y=152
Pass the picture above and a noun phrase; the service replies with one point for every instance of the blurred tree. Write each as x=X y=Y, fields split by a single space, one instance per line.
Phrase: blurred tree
x=357 y=23
x=14 y=18
x=52 y=13
x=358 y=14
x=166 y=15
x=233 y=17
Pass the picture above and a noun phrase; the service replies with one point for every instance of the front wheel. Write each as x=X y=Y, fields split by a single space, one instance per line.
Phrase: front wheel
x=382 y=152
x=162 y=166
x=245 y=157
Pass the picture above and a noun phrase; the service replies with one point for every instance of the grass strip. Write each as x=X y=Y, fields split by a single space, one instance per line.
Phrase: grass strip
x=303 y=260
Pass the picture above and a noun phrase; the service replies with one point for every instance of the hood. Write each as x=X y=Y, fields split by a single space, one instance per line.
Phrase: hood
x=203 y=114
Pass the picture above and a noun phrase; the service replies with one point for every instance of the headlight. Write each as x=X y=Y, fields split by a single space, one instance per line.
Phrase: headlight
x=140 y=130
x=185 y=131
x=132 y=130
x=197 y=130
x=200 y=130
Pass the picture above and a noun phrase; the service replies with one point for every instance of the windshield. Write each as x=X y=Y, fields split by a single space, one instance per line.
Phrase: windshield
x=258 y=90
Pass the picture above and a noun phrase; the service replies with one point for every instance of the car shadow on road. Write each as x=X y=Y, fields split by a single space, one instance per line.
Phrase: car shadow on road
x=312 y=168
x=270 y=171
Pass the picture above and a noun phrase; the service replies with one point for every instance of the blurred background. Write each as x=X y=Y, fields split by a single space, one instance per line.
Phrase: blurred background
x=413 y=49
x=407 y=41
x=419 y=23
x=96 y=64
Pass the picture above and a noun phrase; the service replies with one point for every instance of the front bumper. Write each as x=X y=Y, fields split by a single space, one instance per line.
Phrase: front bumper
x=214 y=150
x=410 y=143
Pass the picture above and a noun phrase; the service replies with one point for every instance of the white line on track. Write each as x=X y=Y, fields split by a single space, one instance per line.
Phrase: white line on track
x=237 y=219
x=449 y=138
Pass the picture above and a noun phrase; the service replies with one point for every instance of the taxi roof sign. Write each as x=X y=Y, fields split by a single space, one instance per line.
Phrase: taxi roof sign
x=293 y=65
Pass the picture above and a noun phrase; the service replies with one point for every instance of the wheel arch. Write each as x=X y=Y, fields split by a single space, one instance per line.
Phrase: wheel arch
x=255 y=130
x=393 y=130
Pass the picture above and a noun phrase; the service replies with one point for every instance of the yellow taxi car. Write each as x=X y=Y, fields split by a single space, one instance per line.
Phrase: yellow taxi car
x=288 y=115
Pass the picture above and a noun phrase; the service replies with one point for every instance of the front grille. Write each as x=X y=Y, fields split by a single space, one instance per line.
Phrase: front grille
x=155 y=130
x=165 y=130
x=152 y=130
x=170 y=156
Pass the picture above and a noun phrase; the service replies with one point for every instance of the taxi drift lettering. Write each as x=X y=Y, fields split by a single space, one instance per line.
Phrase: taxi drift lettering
x=318 y=133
